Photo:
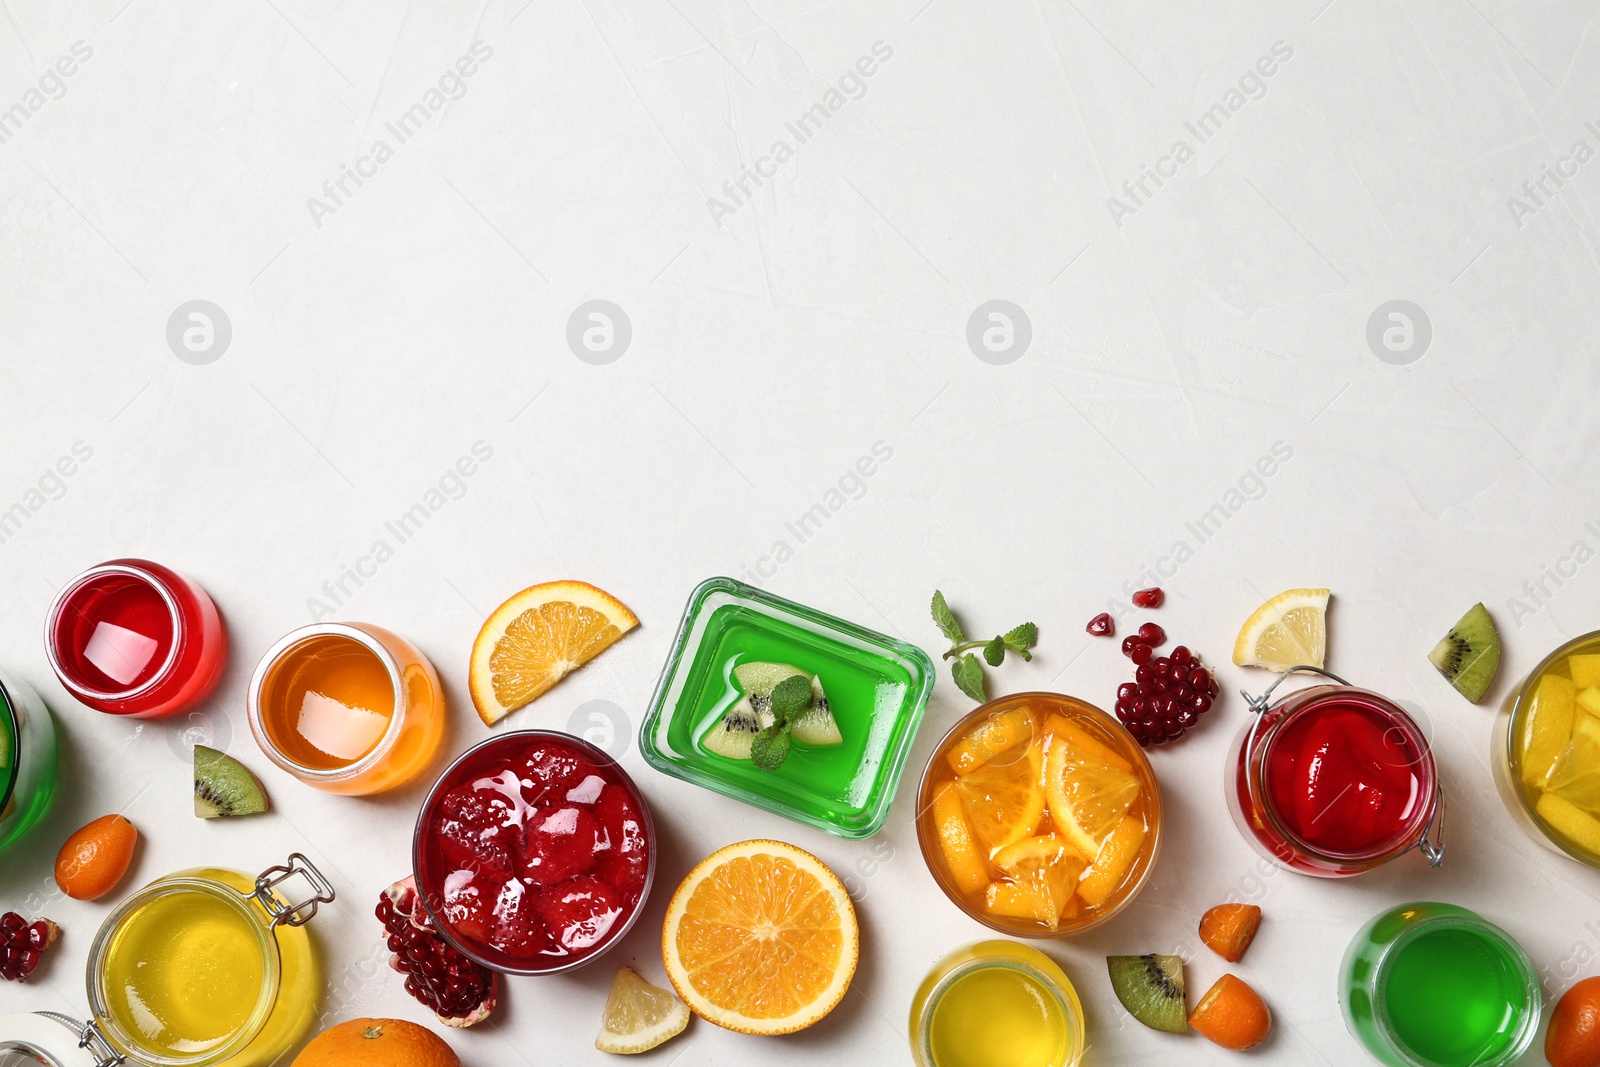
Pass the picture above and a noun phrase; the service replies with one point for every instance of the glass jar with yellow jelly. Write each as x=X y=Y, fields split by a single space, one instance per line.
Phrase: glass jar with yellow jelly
x=204 y=968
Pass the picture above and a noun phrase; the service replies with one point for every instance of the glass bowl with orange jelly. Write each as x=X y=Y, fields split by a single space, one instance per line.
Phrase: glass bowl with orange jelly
x=1546 y=756
x=1039 y=815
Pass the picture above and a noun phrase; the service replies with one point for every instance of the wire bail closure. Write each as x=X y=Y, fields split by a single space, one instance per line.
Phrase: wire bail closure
x=1432 y=850
x=286 y=914
x=89 y=1038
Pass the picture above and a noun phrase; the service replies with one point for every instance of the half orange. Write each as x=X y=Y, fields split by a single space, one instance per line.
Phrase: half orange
x=761 y=938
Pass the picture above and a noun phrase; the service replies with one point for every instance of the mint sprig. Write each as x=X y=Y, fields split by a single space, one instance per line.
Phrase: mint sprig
x=791 y=698
x=967 y=670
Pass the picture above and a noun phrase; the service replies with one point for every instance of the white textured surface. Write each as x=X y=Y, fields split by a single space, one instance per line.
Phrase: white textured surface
x=375 y=339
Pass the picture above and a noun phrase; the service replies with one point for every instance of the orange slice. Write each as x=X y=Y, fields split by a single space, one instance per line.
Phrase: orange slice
x=537 y=638
x=998 y=733
x=1044 y=872
x=1083 y=741
x=761 y=938
x=1088 y=797
x=1112 y=863
x=961 y=854
x=1002 y=799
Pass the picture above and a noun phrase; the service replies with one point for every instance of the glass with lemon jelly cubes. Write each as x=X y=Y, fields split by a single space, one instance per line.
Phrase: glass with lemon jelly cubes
x=876 y=688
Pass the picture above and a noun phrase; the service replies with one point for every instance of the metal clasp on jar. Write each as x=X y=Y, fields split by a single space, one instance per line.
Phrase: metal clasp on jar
x=292 y=914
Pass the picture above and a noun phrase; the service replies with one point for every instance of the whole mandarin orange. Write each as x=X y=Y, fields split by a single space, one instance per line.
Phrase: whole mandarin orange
x=1573 y=1039
x=377 y=1043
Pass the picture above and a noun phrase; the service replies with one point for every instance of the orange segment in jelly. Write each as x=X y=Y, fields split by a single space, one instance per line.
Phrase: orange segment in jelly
x=995 y=735
x=961 y=854
x=1112 y=863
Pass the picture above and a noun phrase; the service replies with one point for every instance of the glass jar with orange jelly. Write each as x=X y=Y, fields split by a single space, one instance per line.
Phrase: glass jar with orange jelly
x=347 y=708
x=1039 y=815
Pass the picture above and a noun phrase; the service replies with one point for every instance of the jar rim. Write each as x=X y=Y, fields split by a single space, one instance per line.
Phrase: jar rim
x=1459 y=919
x=142 y=571
x=362 y=635
x=185 y=882
x=1303 y=702
x=10 y=742
x=1071 y=1012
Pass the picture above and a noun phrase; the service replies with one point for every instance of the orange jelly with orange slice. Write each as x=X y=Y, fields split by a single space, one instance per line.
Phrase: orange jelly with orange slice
x=1039 y=815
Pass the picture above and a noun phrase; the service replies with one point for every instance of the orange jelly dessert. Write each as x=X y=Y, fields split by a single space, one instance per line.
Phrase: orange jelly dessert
x=1039 y=815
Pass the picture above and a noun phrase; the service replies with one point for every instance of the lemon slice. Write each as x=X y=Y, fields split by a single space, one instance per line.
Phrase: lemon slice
x=1547 y=728
x=639 y=1016
x=1088 y=797
x=537 y=638
x=1287 y=631
x=1002 y=799
x=1576 y=772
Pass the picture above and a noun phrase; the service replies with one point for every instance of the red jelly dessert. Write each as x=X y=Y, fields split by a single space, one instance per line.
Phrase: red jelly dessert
x=1335 y=781
x=534 y=852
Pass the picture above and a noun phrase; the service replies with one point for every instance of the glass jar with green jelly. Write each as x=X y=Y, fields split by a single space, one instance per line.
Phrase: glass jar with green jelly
x=27 y=758
x=1435 y=985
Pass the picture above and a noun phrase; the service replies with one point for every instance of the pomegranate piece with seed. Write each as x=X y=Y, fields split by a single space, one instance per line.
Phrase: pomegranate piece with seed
x=1167 y=696
x=457 y=990
x=1149 y=598
x=1102 y=625
x=23 y=945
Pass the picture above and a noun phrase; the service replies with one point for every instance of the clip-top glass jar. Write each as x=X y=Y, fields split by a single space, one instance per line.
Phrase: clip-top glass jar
x=204 y=968
x=1334 y=780
x=27 y=758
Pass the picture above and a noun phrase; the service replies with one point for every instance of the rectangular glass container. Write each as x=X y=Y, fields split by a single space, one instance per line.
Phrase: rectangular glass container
x=877 y=689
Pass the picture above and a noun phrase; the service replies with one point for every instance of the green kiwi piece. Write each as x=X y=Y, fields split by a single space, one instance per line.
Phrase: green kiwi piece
x=224 y=787
x=1151 y=988
x=1469 y=655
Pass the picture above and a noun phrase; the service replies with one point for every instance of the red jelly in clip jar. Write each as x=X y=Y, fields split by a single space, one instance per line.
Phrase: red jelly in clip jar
x=1336 y=781
x=534 y=852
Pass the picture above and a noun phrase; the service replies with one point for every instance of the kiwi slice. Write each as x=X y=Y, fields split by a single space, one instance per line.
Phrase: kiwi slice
x=1469 y=655
x=224 y=787
x=733 y=736
x=1151 y=988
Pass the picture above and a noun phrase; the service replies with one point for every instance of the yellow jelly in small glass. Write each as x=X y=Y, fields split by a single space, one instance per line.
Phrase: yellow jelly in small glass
x=193 y=969
x=1552 y=739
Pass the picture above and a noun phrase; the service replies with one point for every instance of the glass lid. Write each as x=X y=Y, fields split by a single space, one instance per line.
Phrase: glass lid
x=54 y=1040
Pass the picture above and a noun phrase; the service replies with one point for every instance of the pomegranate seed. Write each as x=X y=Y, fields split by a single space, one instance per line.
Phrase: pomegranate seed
x=1149 y=598
x=1152 y=635
x=1130 y=643
x=1102 y=625
x=1141 y=654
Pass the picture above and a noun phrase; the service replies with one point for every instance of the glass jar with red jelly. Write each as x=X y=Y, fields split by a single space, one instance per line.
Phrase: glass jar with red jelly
x=1334 y=780
x=131 y=637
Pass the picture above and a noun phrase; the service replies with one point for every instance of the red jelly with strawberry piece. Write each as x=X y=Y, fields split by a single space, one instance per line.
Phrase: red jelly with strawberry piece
x=534 y=852
x=1336 y=781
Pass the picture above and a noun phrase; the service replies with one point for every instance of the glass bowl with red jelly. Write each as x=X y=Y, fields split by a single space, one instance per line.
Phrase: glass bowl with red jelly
x=131 y=637
x=534 y=853
x=1334 y=780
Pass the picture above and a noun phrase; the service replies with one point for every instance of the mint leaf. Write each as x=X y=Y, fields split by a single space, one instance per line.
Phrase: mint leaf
x=1023 y=638
x=968 y=673
x=770 y=748
x=790 y=697
x=946 y=619
x=994 y=653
